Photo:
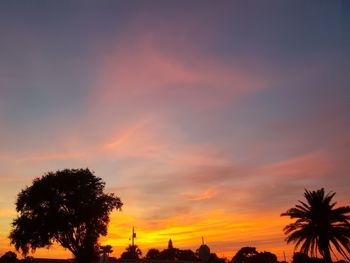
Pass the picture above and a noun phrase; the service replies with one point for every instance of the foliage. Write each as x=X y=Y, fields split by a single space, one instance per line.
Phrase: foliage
x=9 y=257
x=243 y=255
x=186 y=255
x=299 y=257
x=152 y=253
x=131 y=252
x=172 y=254
x=251 y=255
x=168 y=254
x=304 y=258
x=264 y=257
x=68 y=207
x=213 y=258
x=105 y=251
x=319 y=225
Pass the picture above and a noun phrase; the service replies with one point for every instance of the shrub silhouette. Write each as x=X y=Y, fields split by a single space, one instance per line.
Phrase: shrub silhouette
x=152 y=253
x=9 y=257
x=131 y=252
x=186 y=255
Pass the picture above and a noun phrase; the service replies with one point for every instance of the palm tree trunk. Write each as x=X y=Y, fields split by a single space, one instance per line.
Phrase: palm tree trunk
x=327 y=255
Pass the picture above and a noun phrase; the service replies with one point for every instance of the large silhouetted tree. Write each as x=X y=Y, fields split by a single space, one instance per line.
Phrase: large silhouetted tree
x=68 y=207
x=319 y=226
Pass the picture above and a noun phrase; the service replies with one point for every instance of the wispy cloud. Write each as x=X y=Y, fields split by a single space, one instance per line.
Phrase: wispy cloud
x=135 y=140
x=143 y=73
x=207 y=194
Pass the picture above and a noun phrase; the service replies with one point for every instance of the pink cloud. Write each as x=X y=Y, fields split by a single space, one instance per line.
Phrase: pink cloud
x=204 y=195
x=135 y=140
x=310 y=165
x=142 y=70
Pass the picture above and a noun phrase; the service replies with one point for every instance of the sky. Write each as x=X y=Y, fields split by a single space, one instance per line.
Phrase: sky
x=207 y=118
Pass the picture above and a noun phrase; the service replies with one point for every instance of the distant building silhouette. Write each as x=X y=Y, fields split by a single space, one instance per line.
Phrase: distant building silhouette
x=204 y=252
x=170 y=244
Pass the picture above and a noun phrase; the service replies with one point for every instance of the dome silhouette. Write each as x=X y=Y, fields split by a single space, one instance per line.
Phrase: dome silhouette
x=204 y=253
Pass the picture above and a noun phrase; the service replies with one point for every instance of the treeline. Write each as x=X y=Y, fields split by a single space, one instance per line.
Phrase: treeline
x=11 y=257
x=169 y=254
x=304 y=258
x=251 y=255
x=244 y=255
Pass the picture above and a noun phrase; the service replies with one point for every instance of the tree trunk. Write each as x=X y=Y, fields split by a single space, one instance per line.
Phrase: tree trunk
x=86 y=256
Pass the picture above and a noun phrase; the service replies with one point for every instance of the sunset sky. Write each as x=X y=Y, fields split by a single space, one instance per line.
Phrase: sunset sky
x=207 y=118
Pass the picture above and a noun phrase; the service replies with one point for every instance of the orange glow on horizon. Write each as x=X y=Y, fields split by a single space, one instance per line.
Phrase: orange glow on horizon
x=186 y=232
x=224 y=232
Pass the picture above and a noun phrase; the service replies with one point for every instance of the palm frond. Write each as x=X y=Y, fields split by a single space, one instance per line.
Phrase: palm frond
x=319 y=226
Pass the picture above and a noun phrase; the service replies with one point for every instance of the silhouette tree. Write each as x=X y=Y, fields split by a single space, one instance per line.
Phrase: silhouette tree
x=251 y=255
x=172 y=254
x=9 y=257
x=68 y=207
x=243 y=254
x=152 y=253
x=168 y=254
x=213 y=258
x=105 y=251
x=319 y=225
x=264 y=257
x=186 y=255
x=299 y=257
x=304 y=258
x=131 y=252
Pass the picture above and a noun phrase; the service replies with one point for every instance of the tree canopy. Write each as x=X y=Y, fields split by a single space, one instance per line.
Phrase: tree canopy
x=9 y=257
x=131 y=252
x=172 y=254
x=68 y=207
x=319 y=226
x=251 y=255
x=152 y=253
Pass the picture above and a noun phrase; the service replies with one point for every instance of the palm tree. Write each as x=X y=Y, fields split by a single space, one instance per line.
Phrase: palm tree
x=319 y=226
